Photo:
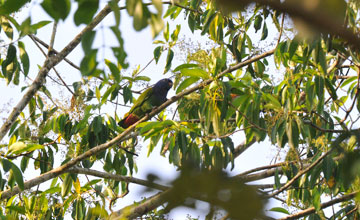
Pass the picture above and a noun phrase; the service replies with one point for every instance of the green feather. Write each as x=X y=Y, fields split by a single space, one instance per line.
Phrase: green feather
x=142 y=105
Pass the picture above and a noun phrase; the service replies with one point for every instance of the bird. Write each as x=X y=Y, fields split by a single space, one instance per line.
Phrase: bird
x=147 y=101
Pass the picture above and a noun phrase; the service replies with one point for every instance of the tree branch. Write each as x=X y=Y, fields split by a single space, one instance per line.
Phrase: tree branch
x=299 y=174
x=127 y=179
x=49 y=63
x=323 y=206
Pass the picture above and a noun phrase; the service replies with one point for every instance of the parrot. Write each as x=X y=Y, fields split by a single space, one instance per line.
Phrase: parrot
x=147 y=101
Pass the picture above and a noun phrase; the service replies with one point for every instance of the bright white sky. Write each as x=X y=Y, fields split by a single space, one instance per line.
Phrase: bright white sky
x=139 y=48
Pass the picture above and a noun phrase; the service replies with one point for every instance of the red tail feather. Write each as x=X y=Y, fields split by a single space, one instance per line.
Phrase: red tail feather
x=129 y=120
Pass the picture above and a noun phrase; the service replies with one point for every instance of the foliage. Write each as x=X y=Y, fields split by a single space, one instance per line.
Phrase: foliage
x=269 y=76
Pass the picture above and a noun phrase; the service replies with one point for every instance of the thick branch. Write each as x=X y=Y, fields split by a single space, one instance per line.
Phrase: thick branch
x=49 y=63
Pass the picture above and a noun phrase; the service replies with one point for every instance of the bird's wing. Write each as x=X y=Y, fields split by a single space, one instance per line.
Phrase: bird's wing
x=142 y=98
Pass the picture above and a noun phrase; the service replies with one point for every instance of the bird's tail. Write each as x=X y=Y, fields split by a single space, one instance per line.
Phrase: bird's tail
x=128 y=121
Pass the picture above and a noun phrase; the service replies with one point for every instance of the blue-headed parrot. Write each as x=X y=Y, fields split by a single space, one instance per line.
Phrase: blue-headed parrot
x=148 y=100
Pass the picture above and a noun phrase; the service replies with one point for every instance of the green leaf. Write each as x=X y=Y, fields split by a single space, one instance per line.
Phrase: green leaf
x=186 y=65
x=316 y=199
x=158 y=5
x=280 y=209
x=18 y=176
x=330 y=88
x=209 y=18
x=19 y=209
x=6 y=165
x=39 y=25
x=166 y=32
x=10 y=6
x=293 y=47
x=264 y=32
x=87 y=41
x=10 y=57
x=169 y=58
x=195 y=72
x=142 y=78
x=273 y=103
x=322 y=60
x=186 y=83
x=85 y=12
x=58 y=9
x=107 y=93
x=20 y=147
x=66 y=185
x=157 y=53
x=115 y=72
x=141 y=15
x=292 y=131
x=258 y=22
x=24 y=57
x=175 y=34
x=116 y=10
x=5 y=25
x=127 y=94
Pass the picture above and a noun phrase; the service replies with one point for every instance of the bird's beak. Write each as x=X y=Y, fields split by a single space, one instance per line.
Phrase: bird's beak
x=170 y=84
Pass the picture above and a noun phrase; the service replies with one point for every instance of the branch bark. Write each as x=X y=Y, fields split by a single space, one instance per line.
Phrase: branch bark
x=127 y=179
x=49 y=63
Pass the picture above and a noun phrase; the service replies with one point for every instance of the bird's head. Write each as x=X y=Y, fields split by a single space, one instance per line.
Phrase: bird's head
x=163 y=85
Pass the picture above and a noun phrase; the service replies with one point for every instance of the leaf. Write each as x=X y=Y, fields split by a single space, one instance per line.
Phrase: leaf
x=273 y=103
x=141 y=15
x=6 y=165
x=209 y=18
x=17 y=146
x=116 y=10
x=195 y=72
x=293 y=47
x=18 y=176
x=39 y=25
x=87 y=41
x=85 y=12
x=157 y=53
x=19 y=209
x=66 y=185
x=166 y=32
x=258 y=22
x=24 y=57
x=142 y=78
x=58 y=9
x=186 y=83
x=322 y=60
x=280 y=209
x=10 y=57
x=77 y=186
x=292 y=132
x=10 y=6
x=186 y=65
x=158 y=5
x=114 y=70
x=127 y=94
x=169 y=58
x=264 y=32
x=5 y=25
x=175 y=34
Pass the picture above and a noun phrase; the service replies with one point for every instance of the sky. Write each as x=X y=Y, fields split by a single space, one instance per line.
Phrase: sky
x=139 y=48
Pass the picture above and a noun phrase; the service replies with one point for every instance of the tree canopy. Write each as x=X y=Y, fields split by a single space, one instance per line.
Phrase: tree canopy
x=282 y=73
